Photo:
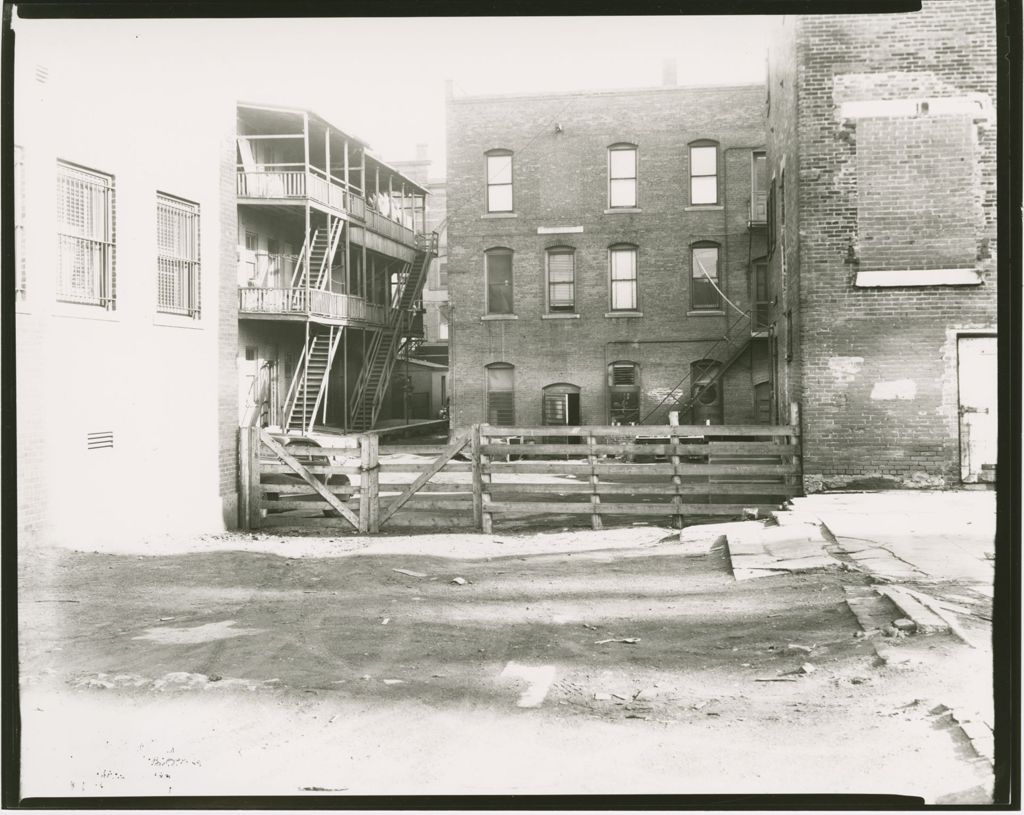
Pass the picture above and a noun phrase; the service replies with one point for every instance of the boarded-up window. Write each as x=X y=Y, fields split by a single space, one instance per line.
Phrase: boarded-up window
x=916 y=205
x=561 y=279
x=501 y=408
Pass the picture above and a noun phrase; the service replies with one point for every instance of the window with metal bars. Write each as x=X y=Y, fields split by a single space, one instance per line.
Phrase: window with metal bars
x=178 y=278
x=623 y=274
x=623 y=393
x=501 y=406
x=561 y=279
x=85 y=236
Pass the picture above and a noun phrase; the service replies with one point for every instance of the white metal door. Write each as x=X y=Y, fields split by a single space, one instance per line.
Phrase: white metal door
x=978 y=378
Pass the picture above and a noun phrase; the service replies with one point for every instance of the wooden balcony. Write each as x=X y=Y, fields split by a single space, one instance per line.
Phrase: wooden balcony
x=295 y=302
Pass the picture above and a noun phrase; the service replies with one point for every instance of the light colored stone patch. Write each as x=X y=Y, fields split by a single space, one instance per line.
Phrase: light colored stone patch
x=845 y=369
x=201 y=633
x=538 y=679
x=895 y=390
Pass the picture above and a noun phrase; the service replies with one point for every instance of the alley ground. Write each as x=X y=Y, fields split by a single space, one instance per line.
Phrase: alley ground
x=614 y=662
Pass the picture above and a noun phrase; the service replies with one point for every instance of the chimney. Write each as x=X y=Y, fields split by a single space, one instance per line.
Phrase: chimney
x=421 y=152
x=668 y=73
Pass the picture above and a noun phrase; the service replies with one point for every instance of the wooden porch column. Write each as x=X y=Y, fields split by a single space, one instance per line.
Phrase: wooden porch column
x=344 y=377
x=345 y=165
x=401 y=210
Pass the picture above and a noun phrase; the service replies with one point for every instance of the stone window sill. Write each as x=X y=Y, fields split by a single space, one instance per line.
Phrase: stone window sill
x=499 y=317
x=178 y=321
x=494 y=215
x=566 y=316
x=622 y=211
x=624 y=314
x=704 y=208
x=707 y=313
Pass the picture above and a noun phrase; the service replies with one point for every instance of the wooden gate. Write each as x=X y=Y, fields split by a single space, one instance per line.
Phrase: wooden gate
x=669 y=474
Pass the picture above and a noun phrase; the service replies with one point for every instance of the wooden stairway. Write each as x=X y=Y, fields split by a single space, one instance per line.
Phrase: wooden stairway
x=372 y=384
x=306 y=394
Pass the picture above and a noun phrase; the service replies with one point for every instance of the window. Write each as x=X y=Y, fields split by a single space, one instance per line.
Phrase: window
x=704 y=294
x=624 y=393
x=561 y=405
x=85 y=236
x=705 y=392
x=561 y=263
x=704 y=173
x=177 y=231
x=501 y=405
x=622 y=175
x=622 y=269
x=19 y=219
x=759 y=187
x=763 y=403
x=771 y=217
x=442 y=323
x=499 y=181
x=760 y=295
x=498 y=271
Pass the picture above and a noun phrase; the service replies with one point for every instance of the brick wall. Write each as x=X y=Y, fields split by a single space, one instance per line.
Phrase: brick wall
x=877 y=367
x=560 y=179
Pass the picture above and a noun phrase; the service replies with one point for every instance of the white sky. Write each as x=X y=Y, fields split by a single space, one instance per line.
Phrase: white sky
x=383 y=79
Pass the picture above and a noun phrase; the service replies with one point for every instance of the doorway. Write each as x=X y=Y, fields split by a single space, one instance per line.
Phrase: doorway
x=977 y=381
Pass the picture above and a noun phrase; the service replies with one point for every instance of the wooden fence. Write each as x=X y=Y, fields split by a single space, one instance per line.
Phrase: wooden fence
x=521 y=476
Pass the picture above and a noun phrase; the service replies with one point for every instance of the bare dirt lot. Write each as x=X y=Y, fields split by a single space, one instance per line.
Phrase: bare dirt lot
x=611 y=663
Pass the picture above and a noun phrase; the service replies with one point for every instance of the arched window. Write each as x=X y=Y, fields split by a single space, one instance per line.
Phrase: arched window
x=623 y=277
x=704 y=280
x=561 y=404
x=623 y=393
x=499 y=180
x=703 y=172
x=498 y=274
x=501 y=404
x=705 y=392
x=622 y=176
x=561 y=279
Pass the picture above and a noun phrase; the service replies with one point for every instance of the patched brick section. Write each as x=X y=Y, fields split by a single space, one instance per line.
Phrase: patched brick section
x=946 y=50
x=561 y=180
x=915 y=201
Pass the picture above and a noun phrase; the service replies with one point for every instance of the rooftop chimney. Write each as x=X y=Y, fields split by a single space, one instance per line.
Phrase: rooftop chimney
x=668 y=73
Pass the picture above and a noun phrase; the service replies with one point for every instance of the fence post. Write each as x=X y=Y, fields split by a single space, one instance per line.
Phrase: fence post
x=249 y=478
x=677 y=479
x=486 y=518
x=796 y=420
x=369 y=484
x=478 y=481
x=595 y=498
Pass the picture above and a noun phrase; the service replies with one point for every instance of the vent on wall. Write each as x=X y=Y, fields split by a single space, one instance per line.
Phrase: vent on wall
x=42 y=74
x=99 y=439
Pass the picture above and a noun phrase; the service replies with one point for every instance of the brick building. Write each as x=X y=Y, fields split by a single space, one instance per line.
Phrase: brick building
x=604 y=250
x=124 y=323
x=882 y=242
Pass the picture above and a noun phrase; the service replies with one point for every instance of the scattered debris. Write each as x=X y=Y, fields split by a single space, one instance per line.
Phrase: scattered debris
x=591 y=627
x=775 y=679
x=459 y=581
x=620 y=696
x=394 y=681
x=905 y=625
x=367 y=677
x=385 y=621
x=627 y=640
x=409 y=572
x=859 y=680
x=939 y=709
x=323 y=789
x=166 y=619
x=214 y=677
x=646 y=695
x=801 y=649
x=807 y=668
x=602 y=697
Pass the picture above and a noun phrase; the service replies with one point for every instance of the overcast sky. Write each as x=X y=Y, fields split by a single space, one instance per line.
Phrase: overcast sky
x=383 y=79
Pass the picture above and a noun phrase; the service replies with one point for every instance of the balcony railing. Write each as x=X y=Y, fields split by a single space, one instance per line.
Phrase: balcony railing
x=315 y=185
x=309 y=302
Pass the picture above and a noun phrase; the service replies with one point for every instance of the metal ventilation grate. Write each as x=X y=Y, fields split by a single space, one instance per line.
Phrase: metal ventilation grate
x=99 y=439
x=42 y=74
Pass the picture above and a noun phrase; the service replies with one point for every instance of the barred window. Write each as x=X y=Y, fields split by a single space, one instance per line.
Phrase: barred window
x=177 y=229
x=85 y=236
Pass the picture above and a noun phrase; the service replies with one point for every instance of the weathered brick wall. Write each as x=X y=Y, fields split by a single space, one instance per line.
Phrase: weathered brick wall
x=879 y=388
x=561 y=180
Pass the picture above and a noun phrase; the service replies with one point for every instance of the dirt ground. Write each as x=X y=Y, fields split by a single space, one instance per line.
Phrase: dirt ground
x=604 y=662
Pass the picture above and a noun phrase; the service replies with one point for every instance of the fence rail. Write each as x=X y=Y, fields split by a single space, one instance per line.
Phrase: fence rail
x=670 y=474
